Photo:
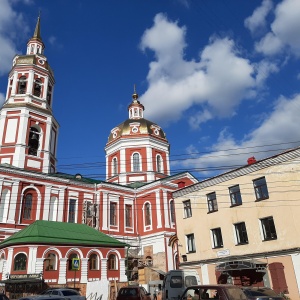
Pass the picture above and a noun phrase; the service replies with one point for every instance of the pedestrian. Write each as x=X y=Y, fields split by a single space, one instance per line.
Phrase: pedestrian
x=155 y=293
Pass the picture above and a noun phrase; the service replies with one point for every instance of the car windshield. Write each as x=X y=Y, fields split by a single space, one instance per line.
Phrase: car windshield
x=128 y=292
x=262 y=292
x=70 y=293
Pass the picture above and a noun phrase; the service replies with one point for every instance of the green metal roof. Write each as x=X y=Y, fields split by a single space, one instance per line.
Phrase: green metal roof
x=61 y=233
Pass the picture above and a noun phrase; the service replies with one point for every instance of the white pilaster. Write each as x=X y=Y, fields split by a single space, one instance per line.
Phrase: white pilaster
x=105 y=211
x=47 y=202
x=62 y=271
x=31 y=260
x=15 y=198
x=123 y=276
x=166 y=209
x=158 y=210
x=103 y=269
x=60 y=208
x=84 y=270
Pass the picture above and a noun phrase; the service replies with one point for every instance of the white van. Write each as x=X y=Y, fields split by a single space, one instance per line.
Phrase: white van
x=176 y=281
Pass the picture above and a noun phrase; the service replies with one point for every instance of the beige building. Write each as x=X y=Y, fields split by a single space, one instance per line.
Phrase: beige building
x=243 y=226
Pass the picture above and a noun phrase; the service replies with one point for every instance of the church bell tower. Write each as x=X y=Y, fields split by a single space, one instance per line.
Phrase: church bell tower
x=28 y=129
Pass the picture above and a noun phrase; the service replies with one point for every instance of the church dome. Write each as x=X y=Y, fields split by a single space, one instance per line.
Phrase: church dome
x=136 y=125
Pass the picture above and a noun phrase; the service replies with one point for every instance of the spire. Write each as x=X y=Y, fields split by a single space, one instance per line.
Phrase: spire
x=135 y=96
x=37 y=31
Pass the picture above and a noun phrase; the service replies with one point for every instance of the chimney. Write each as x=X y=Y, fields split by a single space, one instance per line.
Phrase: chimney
x=251 y=160
x=181 y=184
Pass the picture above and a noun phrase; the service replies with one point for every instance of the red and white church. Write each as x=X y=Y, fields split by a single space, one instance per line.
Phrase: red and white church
x=133 y=206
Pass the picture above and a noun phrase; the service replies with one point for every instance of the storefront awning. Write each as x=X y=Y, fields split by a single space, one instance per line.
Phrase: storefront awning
x=234 y=265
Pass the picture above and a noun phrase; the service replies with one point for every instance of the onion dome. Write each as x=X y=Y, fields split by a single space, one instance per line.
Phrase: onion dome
x=136 y=125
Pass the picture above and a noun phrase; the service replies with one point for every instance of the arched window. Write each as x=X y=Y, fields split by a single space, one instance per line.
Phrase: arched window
x=112 y=262
x=33 y=141
x=50 y=262
x=136 y=162
x=159 y=164
x=114 y=166
x=22 y=85
x=53 y=209
x=27 y=207
x=172 y=211
x=37 y=88
x=73 y=255
x=20 y=262
x=147 y=214
x=93 y=262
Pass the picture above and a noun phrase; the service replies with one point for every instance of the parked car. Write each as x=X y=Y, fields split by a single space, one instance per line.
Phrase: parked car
x=42 y=297
x=261 y=293
x=210 y=291
x=69 y=293
x=3 y=297
x=133 y=293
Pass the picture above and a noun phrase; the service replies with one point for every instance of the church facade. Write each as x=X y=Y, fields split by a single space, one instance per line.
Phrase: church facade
x=133 y=204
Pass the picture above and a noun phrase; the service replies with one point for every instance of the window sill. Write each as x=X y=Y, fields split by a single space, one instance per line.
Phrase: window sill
x=234 y=205
x=241 y=244
x=218 y=247
x=191 y=252
x=212 y=211
x=261 y=199
x=269 y=239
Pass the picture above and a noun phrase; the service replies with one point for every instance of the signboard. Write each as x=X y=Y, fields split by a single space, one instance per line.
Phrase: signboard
x=24 y=276
x=75 y=264
x=221 y=253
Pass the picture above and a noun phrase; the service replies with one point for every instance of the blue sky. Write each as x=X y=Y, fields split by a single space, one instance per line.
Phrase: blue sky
x=220 y=77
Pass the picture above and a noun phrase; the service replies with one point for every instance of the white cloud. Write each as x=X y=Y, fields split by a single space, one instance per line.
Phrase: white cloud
x=220 y=79
x=257 y=21
x=279 y=130
x=12 y=26
x=264 y=68
x=284 y=30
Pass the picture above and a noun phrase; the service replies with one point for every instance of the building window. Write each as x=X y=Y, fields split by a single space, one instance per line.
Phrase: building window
x=114 y=166
x=147 y=214
x=22 y=85
x=113 y=213
x=37 y=88
x=158 y=164
x=50 y=262
x=235 y=195
x=20 y=262
x=27 y=207
x=217 y=238
x=49 y=94
x=190 y=240
x=93 y=262
x=136 y=162
x=72 y=210
x=241 y=233
x=212 y=202
x=33 y=141
x=172 y=211
x=112 y=262
x=268 y=229
x=261 y=189
x=128 y=215
x=187 y=209
x=70 y=259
